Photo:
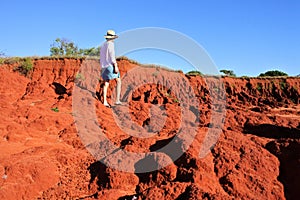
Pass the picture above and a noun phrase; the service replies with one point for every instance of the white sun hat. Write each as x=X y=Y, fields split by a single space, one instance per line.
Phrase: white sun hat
x=110 y=34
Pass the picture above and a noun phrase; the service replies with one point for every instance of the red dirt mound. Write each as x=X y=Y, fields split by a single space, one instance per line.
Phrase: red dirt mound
x=47 y=153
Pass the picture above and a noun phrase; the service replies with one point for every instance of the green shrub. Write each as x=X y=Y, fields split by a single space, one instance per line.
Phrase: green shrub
x=27 y=64
x=55 y=109
x=273 y=73
x=194 y=73
x=259 y=87
x=24 y=67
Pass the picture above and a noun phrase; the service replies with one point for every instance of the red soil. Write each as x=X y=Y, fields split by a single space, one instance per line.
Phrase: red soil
x=42 y=156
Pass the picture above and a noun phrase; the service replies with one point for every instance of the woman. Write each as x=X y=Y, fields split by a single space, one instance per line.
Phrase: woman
x=109 y=66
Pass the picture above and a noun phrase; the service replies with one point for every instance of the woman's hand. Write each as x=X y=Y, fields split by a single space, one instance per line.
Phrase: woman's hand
x=116 y=69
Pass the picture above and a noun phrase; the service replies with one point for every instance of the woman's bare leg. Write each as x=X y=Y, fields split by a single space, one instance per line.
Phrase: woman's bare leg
x=105 y=87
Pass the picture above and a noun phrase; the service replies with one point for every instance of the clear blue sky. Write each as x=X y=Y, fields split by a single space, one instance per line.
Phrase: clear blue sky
x=246 y=36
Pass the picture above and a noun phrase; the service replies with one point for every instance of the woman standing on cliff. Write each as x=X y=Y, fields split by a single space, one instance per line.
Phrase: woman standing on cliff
x=109 y=66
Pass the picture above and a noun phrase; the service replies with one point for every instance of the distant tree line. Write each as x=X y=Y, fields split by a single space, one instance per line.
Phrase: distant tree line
x=65 y=47
x=270 y=73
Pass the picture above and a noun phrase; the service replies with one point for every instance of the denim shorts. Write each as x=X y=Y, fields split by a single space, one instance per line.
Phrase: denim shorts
x=108 y=74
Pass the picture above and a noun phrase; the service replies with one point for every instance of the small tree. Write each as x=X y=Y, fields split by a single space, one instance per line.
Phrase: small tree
x=63 y=47
x=273 y=73
x=195 y=73
x=228 y=72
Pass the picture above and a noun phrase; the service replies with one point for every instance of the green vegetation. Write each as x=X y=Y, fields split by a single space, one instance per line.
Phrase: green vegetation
x=55 y=109
x=228 y=72
x=259 y=87
x=194 y=73
x=62 y=47
x=94 y=51
x=176 y=100
x=11 y=60
x=79 y=76
x=2 y=60
x=65 y=47
x=25 y=65
x=283 y=85
x=273 y=73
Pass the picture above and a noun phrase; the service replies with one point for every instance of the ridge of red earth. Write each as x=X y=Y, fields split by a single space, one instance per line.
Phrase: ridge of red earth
x=42 y=156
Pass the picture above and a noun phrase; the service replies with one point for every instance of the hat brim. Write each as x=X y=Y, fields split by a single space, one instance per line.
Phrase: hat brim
x=110 y=36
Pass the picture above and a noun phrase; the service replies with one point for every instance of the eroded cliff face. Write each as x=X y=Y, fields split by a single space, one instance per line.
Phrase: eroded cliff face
x=256 y=155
